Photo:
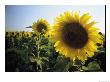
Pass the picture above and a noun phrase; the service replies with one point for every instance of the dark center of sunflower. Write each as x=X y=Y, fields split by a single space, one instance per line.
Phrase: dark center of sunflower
x=74 y=35
x=41 y=27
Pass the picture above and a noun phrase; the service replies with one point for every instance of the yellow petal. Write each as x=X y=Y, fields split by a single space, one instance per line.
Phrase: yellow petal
x=82 y=55
x=89 y=53
x=91 y=46
x=76 y=17
x=93 y=29
x=57 y=43
x=95 y=38
x=71 y=54
x=90 y=24
x=85 y=18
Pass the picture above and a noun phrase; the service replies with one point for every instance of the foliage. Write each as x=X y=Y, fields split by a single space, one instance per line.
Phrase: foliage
x=28 y=51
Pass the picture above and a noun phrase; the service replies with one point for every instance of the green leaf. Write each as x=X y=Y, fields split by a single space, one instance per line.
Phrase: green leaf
x=84 y=68
x=45 y=59
x=93 y=66
x=39 y=61
x=62 y=64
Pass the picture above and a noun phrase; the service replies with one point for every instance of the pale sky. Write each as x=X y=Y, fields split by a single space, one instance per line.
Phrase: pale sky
x=17 y=17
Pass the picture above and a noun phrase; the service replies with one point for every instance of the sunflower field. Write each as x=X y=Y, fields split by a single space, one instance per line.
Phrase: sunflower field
x=72 y=44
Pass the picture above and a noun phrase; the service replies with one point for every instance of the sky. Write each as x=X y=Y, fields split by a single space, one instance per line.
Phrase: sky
x=18 y=17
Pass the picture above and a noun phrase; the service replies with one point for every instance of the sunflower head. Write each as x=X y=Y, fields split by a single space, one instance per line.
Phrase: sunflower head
x=13 y=34
x=75 y=36
x=41 y=26
x=20 y=34
x=7 y=34
x=28 y=34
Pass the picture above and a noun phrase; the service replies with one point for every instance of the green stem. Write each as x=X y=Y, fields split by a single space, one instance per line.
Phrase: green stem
x=38 y=45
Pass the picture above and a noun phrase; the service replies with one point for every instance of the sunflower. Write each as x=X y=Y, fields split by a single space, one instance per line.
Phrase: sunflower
x=28 y=34
x=41 y=26
x=20 y=34
x=7 y=34
x=75 y=36
x=13 y=34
